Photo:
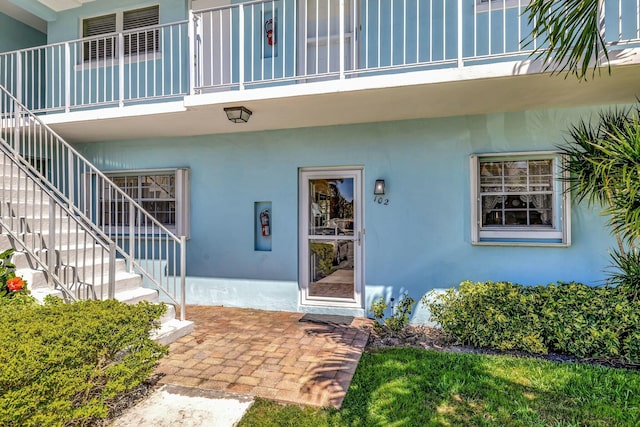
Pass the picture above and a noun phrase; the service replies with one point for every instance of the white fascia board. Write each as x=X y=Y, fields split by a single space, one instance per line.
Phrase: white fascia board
x=470 y=72
x=362 y=83
x=114 y=113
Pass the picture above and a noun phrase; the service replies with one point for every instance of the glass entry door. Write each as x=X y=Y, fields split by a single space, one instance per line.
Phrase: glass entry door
x=331 y=237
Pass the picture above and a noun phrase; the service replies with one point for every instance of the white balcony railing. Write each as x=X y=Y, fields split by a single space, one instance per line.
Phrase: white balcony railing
x=281 y=42
x=338 y=39
x=113 y=69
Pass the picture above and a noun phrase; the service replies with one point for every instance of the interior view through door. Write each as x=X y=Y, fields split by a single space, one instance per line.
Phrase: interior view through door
x=331 y=238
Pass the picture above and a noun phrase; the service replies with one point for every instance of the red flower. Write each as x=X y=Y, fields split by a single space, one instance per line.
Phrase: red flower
x=15 y=284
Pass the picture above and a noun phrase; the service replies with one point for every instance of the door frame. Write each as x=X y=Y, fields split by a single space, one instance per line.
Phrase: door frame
x=304 y=175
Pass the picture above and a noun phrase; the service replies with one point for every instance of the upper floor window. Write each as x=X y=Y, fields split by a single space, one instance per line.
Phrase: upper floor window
x=519 y=199
x=135 y=42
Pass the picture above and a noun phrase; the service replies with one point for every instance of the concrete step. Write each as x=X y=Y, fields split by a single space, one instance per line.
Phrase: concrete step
x=11 y=172
x=13 y=223
x=30 y=209
x=27 y=191
x=130 y=294
x=134 y=296
x=78 y=253
x=124 y=282
x=8 y=242
x=9 y=180
x=40 y=224
x=66 y=242
x=70 y=237
x=99 y=289
x=36 y=279
x=172 y=330
x=169 y=314
x=40 y=294
x=90 y=269
x=128 y=286
x=18 y=185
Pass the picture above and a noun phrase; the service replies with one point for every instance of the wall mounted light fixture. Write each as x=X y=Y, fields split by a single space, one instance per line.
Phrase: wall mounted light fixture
x=238 y=114
x=378 y=188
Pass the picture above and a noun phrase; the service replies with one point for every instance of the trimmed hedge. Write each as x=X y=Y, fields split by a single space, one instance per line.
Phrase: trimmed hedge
x=63 y=363
x=569 y=318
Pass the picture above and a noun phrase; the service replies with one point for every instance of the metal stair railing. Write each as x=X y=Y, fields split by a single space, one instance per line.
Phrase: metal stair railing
x=39 y=225
x=148 y=247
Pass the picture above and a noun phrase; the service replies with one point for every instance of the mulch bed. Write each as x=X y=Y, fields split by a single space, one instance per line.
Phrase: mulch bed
x=417 y=336
x=432 y=338
x=127 y=400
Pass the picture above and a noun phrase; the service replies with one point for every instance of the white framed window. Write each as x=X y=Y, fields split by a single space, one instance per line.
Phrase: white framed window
x=519 y=199
x=135 y=42
x=164 y=193
x=484 y=6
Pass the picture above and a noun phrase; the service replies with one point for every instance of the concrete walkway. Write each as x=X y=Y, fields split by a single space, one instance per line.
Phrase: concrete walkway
x=174 y=406
x=267 y=354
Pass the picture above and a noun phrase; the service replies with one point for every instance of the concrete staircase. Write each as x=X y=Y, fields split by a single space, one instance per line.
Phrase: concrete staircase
x=79 y=260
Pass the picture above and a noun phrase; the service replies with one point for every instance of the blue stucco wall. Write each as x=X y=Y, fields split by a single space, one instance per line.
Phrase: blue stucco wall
x=16 y=35
x=419 y=242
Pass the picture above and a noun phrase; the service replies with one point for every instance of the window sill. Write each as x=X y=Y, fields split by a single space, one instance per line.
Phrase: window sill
x=521 y=243
x=519 y=234
x=547 y=237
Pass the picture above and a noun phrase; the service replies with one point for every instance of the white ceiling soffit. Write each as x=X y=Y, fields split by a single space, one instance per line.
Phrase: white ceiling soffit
x=60 y=5
x=22 y=15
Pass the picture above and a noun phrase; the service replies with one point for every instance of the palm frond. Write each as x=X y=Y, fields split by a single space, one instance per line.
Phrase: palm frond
x=626 y=272
x=567 y=35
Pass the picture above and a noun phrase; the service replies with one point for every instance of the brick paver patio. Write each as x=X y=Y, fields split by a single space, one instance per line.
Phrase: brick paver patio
x=267 y=354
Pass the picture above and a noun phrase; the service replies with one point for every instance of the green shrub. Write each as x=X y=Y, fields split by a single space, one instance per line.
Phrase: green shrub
x=64 y=363
x=497 y=315
x=568 y=318
x=588 y=321
x=400 y=314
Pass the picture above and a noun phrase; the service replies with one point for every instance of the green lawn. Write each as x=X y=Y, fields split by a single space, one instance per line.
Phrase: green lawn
x=412 y=387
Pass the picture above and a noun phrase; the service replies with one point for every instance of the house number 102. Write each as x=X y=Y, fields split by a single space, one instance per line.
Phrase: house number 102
x=380 y=200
